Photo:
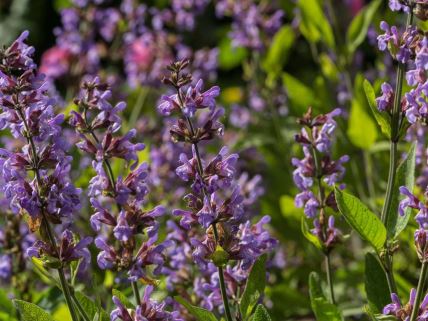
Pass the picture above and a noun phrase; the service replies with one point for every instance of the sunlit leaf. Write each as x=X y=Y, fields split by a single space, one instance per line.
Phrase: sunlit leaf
x=362 y=220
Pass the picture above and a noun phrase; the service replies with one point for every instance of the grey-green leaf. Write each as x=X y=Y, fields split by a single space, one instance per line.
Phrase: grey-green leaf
x=261 y=314
x=300 y=95
x=31 y=312
x=254 y=288
x=6 y=304
x=278 y=51
x=405 y=177
x=91 y=308
x=376 y=284
x=360 y=24
x=322 y=308
x=314 y=23
x=362 y=131
x=383 y=119
x=199 y=313
x=362 y=220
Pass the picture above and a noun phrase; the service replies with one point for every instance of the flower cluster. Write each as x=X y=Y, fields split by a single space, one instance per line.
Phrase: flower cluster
x=36 y=178
x=403 y=312
x=215 y=201
x=252 y=22
x=98 y=124
x=147 y=309
x=412 y=201
x=137 y=36
x=318 y=171
x=410 y=48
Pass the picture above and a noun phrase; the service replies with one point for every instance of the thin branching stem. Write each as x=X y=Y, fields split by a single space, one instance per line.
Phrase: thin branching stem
x=419 y=291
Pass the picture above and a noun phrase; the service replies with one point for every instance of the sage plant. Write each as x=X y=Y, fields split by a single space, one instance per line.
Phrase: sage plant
x=215 y=202
x=98 y=124
x=314 y=176
x=36 y=177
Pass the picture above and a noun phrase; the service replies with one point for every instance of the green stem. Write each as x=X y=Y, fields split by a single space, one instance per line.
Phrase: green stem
x=136 y=292
x=393 y=161
x=48 y=228
x=389 y=273
x=419 y=291
x=223 y=284
x=329 y=277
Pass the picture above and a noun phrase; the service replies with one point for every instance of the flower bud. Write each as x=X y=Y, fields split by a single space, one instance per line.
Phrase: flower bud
x=220 y=257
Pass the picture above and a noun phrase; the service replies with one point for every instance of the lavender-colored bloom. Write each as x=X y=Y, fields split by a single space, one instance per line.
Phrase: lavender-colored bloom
x=385 y=102
x=215 y=201
x=147 y=309
x=317 y=164
x=251 y=22
x=194 y=98
x=47 y=193
x=68 y=249
x=403 y=312
x=399 y=45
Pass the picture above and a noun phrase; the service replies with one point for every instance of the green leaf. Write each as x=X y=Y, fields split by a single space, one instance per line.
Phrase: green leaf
x=357 y=31
x=199 y=313
x=314 y=24
x=254 y=288
x=405 y=177
x=279 y=50
x=6 y=304
x=362 y=130
x=362 y=220
x=309 y=236
x=90 y=307
x=300 y=95
x=376 y=284
x=323 y=309
x=383 y=119
x=328 y=67
x=229 y=56
x=31 y=312
x=123 y=298
x=261 y=314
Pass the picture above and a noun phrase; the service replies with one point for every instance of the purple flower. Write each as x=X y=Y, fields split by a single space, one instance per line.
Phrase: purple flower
x=194 y=98
x=386 y=101
x=68 y=249
x=318 y=165
x=403 y=312
x=147 y=309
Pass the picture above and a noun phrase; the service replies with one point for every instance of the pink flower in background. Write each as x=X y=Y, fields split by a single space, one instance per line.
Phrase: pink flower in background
x=141 y=53
x=55 y=62
x=355 y=6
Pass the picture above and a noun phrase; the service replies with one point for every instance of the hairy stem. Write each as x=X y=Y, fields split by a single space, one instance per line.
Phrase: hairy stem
x=35 y=158
x=419 y=291
x=393 y=162
x=136 y=292
x=329 y=277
